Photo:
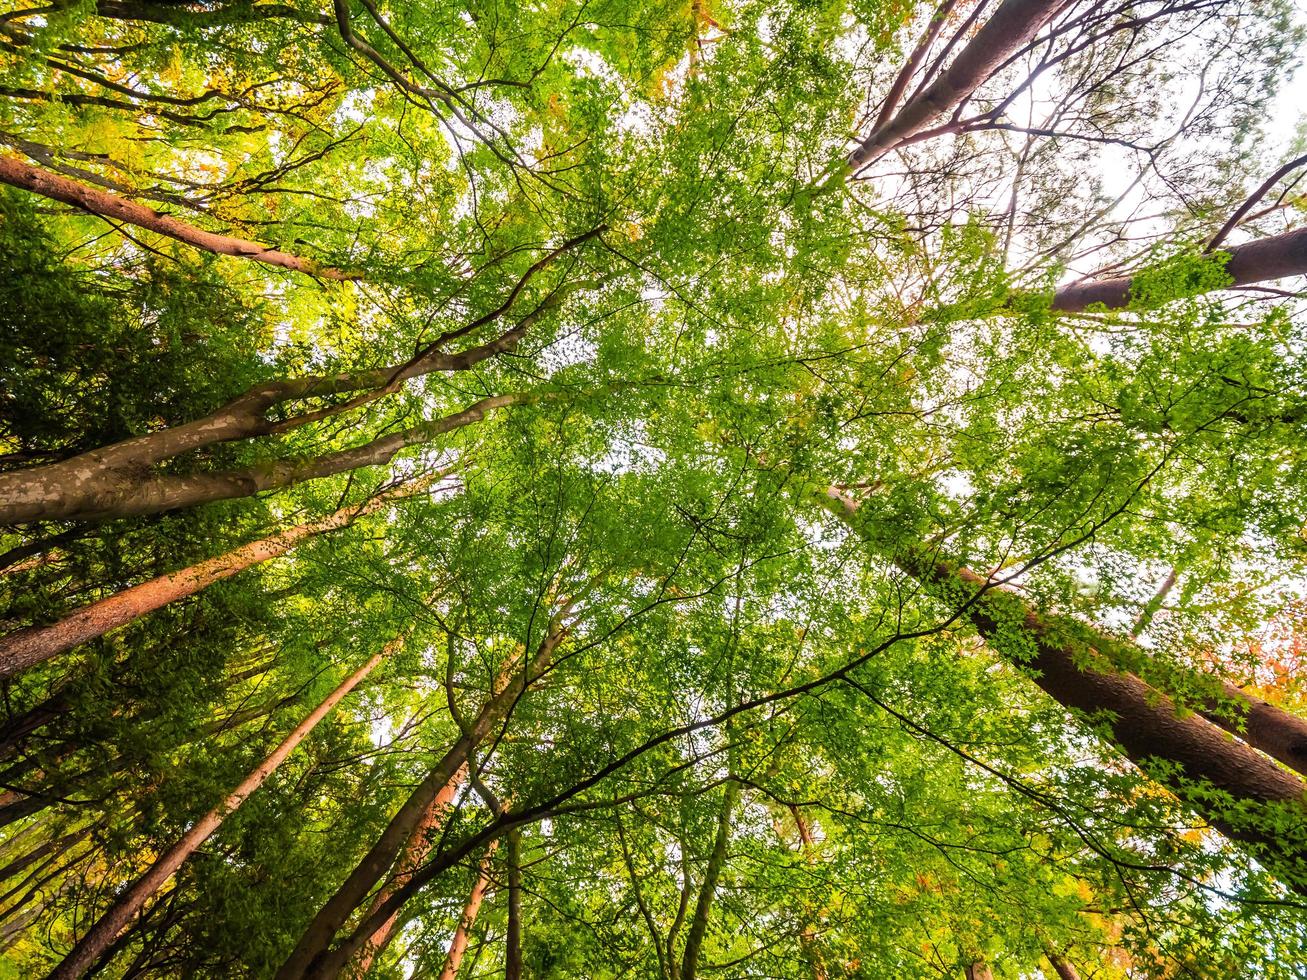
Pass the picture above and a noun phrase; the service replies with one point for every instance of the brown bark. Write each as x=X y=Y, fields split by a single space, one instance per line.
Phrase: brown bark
x=807 y=934
x=1145 y=724
x=318 y=936
x=1013 y=24
x=979 y=970
x=1273 y=257
x=34 y=644
x=16 y=173
x=419 y=844
x=458 y=945
x=1279 y=733
x=95 y=494
x=107 y=927
x=708 y=890
x=909 y=68
x=1065 y=971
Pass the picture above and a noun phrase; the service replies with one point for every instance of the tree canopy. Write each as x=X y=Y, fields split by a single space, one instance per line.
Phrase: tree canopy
x=603 y=489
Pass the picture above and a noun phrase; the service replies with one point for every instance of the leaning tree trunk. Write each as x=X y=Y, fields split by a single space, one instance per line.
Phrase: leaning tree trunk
x=34 y=644
x=415 y=851
x=318 y=936
x=126 y=493
x=1145 y=724
x=458 y=944
x=107 y=927
x=114 y=480
x=1273 y=257
x=1063 y=967
x=1013 y=24
x=16 y=173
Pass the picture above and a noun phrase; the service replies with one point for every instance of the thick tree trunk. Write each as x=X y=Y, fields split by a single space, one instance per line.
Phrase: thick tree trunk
x=1145 y=724
x=107 y=927
x=1277 y=732
x=513 y=935
x=96 y=494
x=979 y=970
x=1012 y=25
x=34 y=644
x=1065 y=971
x=16 y=173
x=320 y=933
x=458 y=945
x=1273 y=257
x=708 y=890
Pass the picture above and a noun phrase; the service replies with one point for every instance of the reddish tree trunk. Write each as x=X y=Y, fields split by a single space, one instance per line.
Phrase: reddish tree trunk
x=458 y=945
x=34 y=644
x=419 y=844
x=107 y=927
x=513 y=935
x=1065 y=971
x=16 y=173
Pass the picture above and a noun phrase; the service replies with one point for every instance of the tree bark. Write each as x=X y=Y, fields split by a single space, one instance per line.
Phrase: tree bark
x=1145 y=724
x=98 y=494
x=16 y=173
x=1273 y=257
x=708 y=890
x=1064 y=969
x=109 y=481
x=979 y=970
x=419 y=844
x=318 y=936
x=34 y=644
x=807 y=934
x=1013 y=24
x=458 y=945
x=1279 y=733
x=107 y=927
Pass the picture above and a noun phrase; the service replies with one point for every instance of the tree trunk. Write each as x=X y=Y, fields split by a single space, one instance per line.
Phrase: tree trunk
x=458 y=945
x=419 y=844
x=708 y=890
x=1145 y=723
x=96 y=494
x=34 y=644
x=320 y=933
x=16 y=173
x=1279 y=733
x=979 y=970
x=1065 y=971
x=1273 y=257
x=1013 y=24
x=513 y=936
x=107 y=927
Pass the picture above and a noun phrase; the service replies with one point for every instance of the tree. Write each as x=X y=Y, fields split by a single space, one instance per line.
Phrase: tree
x=876 y=546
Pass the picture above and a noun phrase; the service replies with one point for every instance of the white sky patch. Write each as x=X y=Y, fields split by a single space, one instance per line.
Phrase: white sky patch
x=566 y=351
x=355 y=107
